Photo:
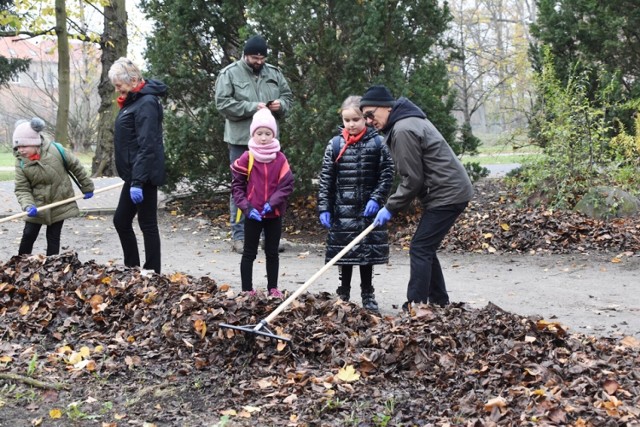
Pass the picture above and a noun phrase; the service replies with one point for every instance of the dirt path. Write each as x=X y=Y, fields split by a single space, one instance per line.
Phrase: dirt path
x=586 y=293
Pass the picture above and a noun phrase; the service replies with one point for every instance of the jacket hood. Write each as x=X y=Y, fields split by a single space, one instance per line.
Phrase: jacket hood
x=154 y=87
x=402 y=109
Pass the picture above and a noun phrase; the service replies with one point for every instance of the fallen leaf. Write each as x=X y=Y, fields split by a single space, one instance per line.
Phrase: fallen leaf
x=630 y=341
x=200 y=327
x=610 y=386
x=496 y=402
x=348 y=374
x=290 y=399
x=24 y=310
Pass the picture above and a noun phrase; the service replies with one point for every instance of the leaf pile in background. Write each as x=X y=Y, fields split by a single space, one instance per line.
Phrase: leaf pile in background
x=105 y=328
x=492 y=223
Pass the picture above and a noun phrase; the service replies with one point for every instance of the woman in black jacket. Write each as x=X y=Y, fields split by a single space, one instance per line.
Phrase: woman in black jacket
x=139 y=155
x=356 y=177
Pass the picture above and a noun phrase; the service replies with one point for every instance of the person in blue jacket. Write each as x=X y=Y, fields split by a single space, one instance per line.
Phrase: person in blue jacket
x=139 y=156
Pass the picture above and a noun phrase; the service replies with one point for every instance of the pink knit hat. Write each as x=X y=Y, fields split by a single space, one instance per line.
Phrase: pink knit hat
x=264 y=119
x=28 y=133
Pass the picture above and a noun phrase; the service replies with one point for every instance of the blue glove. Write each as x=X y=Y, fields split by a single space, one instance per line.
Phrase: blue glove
x=383 y=217
x=136 y=195
x=31 y=211
x=372 y=208
x=88 y=195
x=266 y=209
x=325 y=219
x=255 y=215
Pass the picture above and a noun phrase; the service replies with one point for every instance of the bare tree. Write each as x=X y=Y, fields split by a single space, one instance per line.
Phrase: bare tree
x=64 y=75
x=113 y=43
x=492 y=70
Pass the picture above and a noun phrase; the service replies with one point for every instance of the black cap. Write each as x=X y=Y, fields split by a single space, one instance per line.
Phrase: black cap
x=256 y=45
x=377 y=96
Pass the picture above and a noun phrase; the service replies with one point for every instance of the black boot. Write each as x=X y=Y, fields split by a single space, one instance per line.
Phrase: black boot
x=343 y=293
x=369 y=301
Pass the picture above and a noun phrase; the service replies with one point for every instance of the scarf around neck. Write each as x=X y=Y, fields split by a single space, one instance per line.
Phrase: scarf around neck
x=264 y=153
x=349 y=140
x=122 y=98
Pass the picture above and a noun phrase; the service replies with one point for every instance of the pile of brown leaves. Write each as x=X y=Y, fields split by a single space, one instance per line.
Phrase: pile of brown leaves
x=84 y=323
x=493 y=223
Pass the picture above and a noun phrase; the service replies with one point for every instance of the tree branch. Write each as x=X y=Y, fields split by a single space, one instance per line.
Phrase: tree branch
x=32 y=382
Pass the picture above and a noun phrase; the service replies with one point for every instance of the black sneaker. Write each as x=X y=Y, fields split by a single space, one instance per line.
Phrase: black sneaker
x=406 y=307
x=369 y=302
x=439 y=303
x=343 y=293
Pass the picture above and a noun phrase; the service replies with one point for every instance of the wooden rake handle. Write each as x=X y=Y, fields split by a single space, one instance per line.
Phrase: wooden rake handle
x=313 y=278
x=62 y=202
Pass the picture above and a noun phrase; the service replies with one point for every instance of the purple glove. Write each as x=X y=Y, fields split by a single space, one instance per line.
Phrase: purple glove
x=255 y=215
x=325 y=219
x=136 y=195
x=383 y=217
x=266 y=209
x=88 y=195
x=31 y=211
x=372 y=208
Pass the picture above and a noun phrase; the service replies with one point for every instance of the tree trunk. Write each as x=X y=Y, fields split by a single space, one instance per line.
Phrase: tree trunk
x=64 y=76
x=114 y=45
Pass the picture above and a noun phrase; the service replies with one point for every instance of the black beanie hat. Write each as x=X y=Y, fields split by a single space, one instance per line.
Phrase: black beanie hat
x=377 y=96
x=256 y=45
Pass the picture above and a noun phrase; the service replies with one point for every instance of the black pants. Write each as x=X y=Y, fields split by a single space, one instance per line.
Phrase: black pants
x=30 y=234
x=366 y=278
x=426 y=283
x=147 y=212
x=272 y=230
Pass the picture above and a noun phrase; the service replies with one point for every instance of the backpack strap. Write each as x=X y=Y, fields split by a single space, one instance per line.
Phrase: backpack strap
x=249 y=167
x=335 y=146
x=64 y=162
x=378 y=140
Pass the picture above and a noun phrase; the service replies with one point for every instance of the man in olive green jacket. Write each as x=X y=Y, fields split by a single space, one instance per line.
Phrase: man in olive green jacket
x=243 y=88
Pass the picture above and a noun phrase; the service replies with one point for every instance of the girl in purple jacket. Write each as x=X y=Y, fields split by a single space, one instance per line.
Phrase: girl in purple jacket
x=262 y=182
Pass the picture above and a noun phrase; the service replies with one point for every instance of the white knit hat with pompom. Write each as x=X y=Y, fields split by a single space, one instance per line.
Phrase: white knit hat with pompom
x=28 y=132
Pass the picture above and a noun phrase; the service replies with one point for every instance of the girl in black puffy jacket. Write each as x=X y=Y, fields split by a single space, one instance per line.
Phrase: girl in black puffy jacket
x=355 y=181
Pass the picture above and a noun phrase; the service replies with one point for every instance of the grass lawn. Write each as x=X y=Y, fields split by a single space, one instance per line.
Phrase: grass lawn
x=496 y=150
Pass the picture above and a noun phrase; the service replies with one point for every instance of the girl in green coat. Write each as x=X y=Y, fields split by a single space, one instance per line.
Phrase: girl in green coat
x=41 y=179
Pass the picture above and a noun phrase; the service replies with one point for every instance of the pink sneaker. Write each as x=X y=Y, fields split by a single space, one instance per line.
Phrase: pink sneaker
x=274 y=292
x=251 y=293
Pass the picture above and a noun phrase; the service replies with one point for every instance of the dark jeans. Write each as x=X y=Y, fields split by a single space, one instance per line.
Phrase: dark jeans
x=426 y=283
x=30 y=234
x=147 y=212
x=272 y=230
x=237 y=229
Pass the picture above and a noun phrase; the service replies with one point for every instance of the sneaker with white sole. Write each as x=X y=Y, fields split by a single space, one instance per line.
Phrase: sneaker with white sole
x=274 y=292
x=237 y=246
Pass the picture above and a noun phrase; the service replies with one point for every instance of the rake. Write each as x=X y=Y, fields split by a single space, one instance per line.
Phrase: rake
x=62 y=202
x=262 y=328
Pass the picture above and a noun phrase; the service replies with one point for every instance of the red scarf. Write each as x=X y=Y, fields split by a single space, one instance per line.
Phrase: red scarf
x=34 y=156
x=122 y=98
x=350 y=139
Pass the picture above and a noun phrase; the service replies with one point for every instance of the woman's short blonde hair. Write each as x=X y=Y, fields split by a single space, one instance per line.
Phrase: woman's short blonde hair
x=124 y=71
x=351 y=103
